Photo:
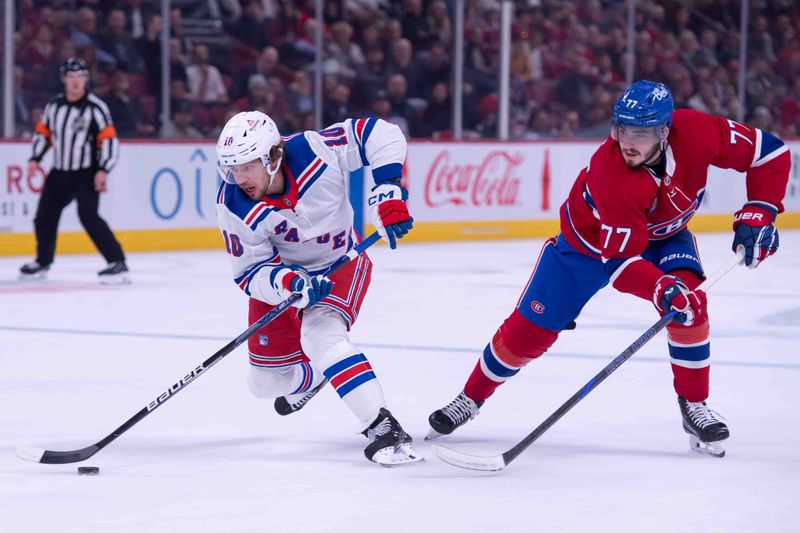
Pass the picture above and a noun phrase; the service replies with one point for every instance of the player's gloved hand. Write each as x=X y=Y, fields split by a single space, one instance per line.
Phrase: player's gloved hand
x=312 y=289
x=754 y=229
x=387 y=205
x=671 y=294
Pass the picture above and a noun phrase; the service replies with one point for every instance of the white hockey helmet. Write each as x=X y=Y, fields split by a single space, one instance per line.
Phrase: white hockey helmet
x=247 y=136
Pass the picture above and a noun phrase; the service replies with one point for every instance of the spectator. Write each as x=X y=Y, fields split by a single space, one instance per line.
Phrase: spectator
x=370 y=77
x=22 y=106
x=125 y=111
x=258 y=96
x=148 y=46
x=85 y=34
x=268 y=65
x=434 y=68
x=437 y=117
x=39 y=51
x=439 y=22
x=300 y=96
x=180 y=127
x=338 y=106
x=120 y=44
x=347 y=55
x=251 y=28
x=204 y=80
x=416 y=26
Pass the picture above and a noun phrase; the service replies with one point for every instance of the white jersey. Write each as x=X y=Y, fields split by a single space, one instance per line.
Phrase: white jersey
x=311 y=225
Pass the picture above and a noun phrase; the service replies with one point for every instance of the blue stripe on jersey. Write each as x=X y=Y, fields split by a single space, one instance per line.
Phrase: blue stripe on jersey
x=310 y=181
x=769 y=143
x=588 y=198
x=387 y=172
x=693 y=353
x=261 y=217
x=220 y=189
x=368 y=130
x=303 y=380
x=578 y=236
x=496 y=366
x=299 y=155
x=252 y=269
x=361 y=153
x=237 y=201
x=362 y=142
x=247 y=287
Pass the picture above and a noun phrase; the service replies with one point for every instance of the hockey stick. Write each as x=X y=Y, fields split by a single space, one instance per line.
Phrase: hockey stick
x=498 y=462
x=39 y=455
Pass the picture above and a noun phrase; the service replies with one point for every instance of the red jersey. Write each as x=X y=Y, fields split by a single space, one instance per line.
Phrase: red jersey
x=612 y=211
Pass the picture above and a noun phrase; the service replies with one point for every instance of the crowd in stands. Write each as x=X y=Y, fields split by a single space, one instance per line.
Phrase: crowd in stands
x=394 y=59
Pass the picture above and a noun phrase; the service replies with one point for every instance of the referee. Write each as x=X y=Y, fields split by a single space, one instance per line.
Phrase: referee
x=78 y=126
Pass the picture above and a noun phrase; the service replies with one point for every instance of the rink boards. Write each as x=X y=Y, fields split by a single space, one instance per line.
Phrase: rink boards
x=161 y=195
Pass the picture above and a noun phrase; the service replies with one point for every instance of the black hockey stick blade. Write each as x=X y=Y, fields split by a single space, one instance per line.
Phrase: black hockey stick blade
x=40 y=455
x=499 y=462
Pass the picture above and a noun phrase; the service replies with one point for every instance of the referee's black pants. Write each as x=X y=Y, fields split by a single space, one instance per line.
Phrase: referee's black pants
x=60 y=188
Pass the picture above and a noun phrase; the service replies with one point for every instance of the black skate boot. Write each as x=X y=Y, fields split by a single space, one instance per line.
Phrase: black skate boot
x=453 y=415
x=706 y=431
x=33 y=270
x=115 y=273
x=389 y=445
x=286 y=406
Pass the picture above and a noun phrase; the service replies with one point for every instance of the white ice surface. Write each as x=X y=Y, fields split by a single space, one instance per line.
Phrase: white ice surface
x=78 y=359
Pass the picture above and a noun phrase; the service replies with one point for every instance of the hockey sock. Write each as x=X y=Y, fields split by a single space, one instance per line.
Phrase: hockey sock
x=690 y=350
x=354 y=380
x=516 y=343
x=265 y=382
x=325 y=341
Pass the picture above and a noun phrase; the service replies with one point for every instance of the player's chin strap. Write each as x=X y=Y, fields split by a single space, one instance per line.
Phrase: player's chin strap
x=498 y=462
x=268 y=165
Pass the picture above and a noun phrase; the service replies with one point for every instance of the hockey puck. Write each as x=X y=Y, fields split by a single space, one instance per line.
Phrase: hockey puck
x=88 y=470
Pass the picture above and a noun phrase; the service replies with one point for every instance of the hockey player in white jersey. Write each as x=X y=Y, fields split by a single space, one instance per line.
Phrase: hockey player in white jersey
x=285 y=216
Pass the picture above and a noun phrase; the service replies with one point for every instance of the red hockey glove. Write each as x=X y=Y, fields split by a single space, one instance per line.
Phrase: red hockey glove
x=389 y=212
x=671 y=294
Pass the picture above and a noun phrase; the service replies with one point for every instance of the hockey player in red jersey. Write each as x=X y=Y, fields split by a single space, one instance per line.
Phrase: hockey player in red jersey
x=624 y=223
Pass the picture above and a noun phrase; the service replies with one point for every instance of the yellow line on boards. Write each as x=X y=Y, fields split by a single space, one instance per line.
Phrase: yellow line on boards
x=210 y=238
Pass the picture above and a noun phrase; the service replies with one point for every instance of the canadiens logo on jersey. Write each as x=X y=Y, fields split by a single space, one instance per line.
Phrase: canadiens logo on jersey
x=537 y=307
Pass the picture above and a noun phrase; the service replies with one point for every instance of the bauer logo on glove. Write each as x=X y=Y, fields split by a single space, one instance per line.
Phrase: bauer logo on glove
x=755 y=231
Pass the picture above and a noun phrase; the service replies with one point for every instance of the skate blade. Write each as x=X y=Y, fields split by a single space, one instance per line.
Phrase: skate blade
x=115 y=279
x=433 y=434
x=32 y=277
x=714 y=449
x=403 y=455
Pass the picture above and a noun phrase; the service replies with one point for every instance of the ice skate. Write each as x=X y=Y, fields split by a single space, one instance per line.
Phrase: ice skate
x=115 y=273
x=33 y=271
x=706 y=431
x=291 y=403
x=453 y=415
x=389 y=445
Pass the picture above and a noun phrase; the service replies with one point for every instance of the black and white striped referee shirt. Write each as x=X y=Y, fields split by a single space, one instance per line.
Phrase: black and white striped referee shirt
x=81 y=134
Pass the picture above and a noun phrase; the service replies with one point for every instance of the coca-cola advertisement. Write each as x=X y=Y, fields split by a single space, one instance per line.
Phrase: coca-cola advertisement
x=477 y=181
